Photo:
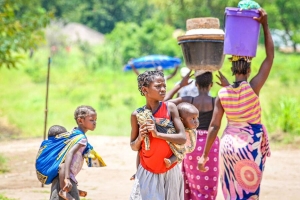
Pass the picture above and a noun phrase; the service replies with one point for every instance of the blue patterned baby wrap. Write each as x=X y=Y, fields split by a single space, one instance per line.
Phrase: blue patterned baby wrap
x=53 y=152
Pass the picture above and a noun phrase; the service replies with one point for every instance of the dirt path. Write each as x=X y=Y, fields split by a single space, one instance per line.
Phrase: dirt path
x=281 y=177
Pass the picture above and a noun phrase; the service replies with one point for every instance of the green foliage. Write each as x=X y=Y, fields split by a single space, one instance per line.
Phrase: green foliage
x=2 y=197
x=3 y=166
x=285 y=16
x=284 y=115
x=115 y=96
x=100 y=15
x=128 y=40
x=20 y=29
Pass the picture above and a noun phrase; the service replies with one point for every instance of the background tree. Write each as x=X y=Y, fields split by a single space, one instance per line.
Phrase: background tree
x=129 y=40
x=21 y=22
x=100 y=15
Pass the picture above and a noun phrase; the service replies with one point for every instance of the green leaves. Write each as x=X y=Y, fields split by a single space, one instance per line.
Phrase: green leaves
x=128 y=40
x=20 y=29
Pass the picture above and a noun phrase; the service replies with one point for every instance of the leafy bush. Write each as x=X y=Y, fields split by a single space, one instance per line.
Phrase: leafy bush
x=128 y=40
x=284 y=116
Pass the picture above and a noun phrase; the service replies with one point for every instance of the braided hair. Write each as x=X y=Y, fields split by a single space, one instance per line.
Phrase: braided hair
x=240 y=66
x=83 y=111
x=55 y=130
x=204 y=80
x=146 y=78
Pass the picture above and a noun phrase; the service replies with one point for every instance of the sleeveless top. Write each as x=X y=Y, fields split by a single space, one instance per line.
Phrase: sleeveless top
x=205 y=117
x=240 y=104
x=153 y=159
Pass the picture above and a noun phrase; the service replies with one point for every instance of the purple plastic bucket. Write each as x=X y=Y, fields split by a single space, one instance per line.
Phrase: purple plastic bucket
x=241 y=32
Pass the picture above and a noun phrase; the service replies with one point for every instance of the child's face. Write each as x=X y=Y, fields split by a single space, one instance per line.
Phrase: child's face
x=89 y=122
x=190 y=120
x=156 y=89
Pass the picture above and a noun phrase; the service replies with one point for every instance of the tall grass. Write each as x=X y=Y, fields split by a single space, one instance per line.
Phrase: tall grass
x=113 y=93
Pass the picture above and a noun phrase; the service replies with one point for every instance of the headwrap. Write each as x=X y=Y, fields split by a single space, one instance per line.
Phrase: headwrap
x=237 y=58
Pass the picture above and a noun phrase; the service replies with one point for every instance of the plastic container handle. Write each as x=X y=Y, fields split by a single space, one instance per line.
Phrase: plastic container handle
x=224 y=21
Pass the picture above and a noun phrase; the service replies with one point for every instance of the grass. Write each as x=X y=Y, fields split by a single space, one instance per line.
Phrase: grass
x=3 y=166
x=2 y=197
x=113 y=93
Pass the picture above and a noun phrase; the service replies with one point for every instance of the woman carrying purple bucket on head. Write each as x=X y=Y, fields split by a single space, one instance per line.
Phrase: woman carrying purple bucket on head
x=244 y=144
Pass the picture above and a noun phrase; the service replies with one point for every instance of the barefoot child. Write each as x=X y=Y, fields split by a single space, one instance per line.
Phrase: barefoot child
x=62 y=156
x=85 y=117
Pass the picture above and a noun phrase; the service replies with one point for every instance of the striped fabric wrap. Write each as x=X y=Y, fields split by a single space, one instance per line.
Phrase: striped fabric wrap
x=241 y=104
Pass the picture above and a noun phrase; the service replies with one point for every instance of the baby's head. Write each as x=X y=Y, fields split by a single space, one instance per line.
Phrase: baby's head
x=56 y=130
x=189 y=115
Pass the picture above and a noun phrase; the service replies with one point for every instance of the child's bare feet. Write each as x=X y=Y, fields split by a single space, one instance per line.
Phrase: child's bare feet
x=82 y=193
x=133 y=177
x=65 y=195
x=167 y=162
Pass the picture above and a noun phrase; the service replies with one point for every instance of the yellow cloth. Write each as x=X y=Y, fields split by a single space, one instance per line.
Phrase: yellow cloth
x=93 y=159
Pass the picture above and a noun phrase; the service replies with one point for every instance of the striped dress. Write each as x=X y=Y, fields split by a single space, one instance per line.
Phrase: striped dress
x=244 y=144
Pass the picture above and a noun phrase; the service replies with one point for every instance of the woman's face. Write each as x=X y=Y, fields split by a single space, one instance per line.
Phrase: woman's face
x=156 y=89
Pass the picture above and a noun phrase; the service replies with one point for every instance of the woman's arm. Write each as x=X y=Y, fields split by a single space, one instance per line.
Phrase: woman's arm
x=69 y=157
x=258 y=81
x=136 y=138
x=172 y=92
x=173 y=73
x=179 y=137
x=212 y=133
x=134 y=69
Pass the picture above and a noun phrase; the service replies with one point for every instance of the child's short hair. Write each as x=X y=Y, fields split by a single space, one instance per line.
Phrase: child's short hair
x=184 y=108
x=56 y=130
x=83 y=111
x=146 y=78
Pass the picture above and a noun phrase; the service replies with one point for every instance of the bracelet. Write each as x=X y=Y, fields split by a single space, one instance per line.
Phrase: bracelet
x=67 y=178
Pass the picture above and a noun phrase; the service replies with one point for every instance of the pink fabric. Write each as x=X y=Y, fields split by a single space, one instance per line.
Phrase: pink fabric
x=77 y=160
x=201 y=185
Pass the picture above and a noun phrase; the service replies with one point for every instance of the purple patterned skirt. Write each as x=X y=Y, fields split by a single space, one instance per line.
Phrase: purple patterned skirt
x=201 y=185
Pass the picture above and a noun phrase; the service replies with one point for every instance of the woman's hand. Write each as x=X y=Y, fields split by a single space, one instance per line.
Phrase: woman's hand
x=263 y=18
x=143 y=132
x=223 y=80
x=151 y=128
x=185 y=80
x=68 y=185
x=201 y=163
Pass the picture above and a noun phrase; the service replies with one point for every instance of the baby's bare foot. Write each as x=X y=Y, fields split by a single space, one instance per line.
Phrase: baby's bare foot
x=65 y=195
x=82 y=193
x=133 y=177
x=167 y=162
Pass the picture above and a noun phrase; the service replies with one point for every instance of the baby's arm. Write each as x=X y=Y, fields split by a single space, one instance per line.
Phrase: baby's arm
x=180 y=137
x=69 y=157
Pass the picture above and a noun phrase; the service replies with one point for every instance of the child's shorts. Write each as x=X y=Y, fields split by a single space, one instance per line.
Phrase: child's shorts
x=55 y=190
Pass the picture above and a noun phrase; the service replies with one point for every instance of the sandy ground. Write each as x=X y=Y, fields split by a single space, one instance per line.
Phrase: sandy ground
x=281 y=178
